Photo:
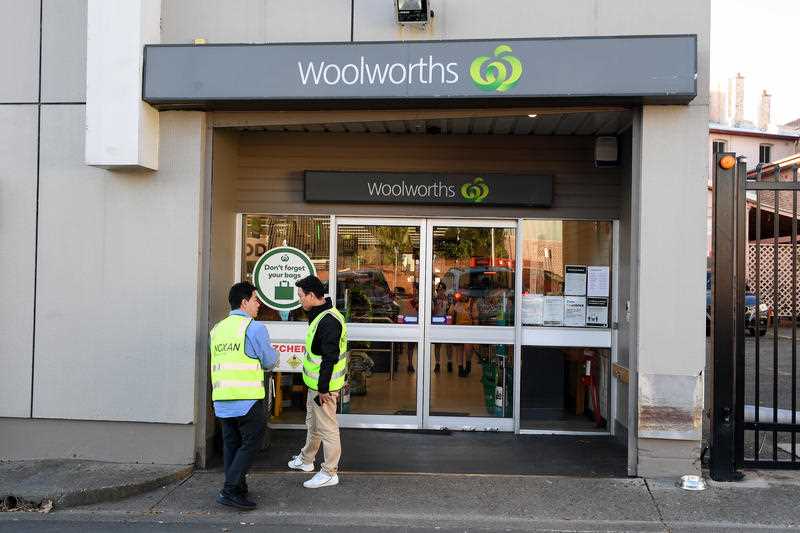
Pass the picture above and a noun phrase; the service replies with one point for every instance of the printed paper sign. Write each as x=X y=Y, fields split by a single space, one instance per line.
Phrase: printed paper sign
x=575 y=311
x=597 y=284
x=597 y=312
x=532 y=309
x=553 y=310
x=575 y=280
x=276 y=273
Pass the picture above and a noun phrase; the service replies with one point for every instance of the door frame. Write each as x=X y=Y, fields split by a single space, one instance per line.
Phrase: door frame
x=460 y=334
x=379 y=332
x=517 y=335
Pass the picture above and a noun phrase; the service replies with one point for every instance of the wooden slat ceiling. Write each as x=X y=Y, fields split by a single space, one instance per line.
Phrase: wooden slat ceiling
x=581 y=123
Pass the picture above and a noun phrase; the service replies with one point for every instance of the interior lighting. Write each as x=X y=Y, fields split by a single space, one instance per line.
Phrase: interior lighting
x=533 y=115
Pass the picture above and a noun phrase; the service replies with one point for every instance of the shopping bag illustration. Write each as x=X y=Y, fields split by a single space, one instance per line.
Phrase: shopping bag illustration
x=284 y=291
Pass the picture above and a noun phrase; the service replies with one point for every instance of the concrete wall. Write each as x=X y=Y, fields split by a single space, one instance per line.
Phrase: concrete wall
x=19 y=129
x=87 y=263
x=255 y=21
x=117 y=294
x=670 y=304
x=18 y=169
x=64 y=51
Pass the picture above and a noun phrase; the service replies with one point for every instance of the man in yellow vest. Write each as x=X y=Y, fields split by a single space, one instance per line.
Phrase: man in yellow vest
x=240 y=352
x=324 y=369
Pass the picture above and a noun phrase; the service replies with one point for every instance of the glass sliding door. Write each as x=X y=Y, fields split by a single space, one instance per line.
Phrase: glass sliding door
x=469 y=338
x=378 y=273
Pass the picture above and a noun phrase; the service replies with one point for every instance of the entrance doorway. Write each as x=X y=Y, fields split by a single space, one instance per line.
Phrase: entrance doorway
x=429 y=305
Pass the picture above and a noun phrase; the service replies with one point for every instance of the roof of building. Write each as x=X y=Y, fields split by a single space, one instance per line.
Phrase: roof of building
x=769 y=168
x=753 y=132
x=793 y=125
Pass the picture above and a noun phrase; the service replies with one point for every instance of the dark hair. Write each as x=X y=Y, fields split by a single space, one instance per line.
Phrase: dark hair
x=312 y=284
x=240 y=291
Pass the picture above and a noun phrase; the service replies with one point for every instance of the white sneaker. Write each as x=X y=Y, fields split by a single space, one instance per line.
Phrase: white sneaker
x=322 y=479
x=297 y=464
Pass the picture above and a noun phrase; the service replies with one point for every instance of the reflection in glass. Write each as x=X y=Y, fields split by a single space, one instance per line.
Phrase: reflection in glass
x=378 y=273
x=549 y=245
x=564 y=388
x=481 y=384
x=307 y=233
x=381 y=379
x=473 y=276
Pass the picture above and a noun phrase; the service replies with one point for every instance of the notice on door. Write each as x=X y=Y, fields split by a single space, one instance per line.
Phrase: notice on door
x=597 y=312
x=553 y=310
x=532 y=309
x=575 y=280
x=276 y=273
x=575 y=311
x=597 y=284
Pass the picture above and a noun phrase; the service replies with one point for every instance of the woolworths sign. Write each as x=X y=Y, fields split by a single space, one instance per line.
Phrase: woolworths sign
x=429 y=188
x=649 y=68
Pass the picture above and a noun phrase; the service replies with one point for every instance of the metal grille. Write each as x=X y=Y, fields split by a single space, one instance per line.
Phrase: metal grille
x=767 y=365
x=754 y=418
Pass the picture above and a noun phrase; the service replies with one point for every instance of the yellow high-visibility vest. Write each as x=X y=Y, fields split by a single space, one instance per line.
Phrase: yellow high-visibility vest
x=312 y=361
x=234 y=375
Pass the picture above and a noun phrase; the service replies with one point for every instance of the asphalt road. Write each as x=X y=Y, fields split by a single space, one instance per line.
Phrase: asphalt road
x=768 y=375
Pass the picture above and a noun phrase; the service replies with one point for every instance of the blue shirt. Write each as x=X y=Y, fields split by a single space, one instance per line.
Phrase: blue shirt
x=258 y=346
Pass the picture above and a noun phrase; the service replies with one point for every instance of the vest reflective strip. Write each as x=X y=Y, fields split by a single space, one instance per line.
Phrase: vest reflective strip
x=317 y=360
x=236 y=366
x=315 y=375
x=227 y=383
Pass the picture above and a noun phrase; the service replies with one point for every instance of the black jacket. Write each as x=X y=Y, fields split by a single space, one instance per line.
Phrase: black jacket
x=325 y=343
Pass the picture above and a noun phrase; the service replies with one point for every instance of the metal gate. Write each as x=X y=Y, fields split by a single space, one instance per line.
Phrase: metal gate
x=755 y=421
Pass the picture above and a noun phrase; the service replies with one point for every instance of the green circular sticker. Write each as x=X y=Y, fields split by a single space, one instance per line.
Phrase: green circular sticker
x=276 y=273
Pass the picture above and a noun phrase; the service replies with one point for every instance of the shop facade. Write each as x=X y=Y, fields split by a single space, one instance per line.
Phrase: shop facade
x=512 y=242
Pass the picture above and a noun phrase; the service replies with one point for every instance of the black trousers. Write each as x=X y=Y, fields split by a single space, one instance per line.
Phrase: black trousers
x=242 y=438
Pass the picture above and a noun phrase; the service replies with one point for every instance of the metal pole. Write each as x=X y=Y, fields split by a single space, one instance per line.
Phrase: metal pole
x=742 y=221
x=723 y=450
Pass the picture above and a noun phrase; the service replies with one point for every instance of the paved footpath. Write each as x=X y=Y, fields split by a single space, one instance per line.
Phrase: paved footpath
x=396 y=502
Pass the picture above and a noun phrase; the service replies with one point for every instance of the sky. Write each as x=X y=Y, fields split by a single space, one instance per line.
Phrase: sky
x=760 y=39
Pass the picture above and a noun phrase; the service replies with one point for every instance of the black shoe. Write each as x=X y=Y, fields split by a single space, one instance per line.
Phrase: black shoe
x=449 y=367
x=235 y=500
x=437 y=369
x=410 y=369
x=242 y=490
x=468 y=369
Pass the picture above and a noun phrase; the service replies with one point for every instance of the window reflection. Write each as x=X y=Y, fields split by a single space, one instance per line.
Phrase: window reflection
x=378 y=273
x=472 y=380
x=473 y=276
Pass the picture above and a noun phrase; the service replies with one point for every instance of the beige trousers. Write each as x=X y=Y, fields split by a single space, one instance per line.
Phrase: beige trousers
x=322 y=428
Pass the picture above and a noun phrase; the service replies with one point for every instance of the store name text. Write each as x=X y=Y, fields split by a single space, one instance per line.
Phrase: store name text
x=424 y=72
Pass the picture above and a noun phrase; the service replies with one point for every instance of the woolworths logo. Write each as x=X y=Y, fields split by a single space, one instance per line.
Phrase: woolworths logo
x=499 y=73
x=475 y=191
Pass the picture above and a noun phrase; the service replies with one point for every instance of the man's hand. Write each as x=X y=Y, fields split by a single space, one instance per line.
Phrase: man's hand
x=326 y=397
